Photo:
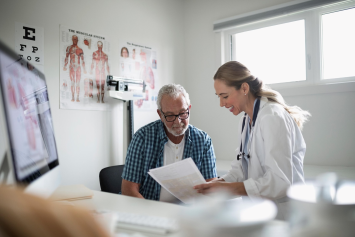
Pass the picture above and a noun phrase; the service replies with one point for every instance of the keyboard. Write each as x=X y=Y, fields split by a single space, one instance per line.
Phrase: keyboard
x=146 y=223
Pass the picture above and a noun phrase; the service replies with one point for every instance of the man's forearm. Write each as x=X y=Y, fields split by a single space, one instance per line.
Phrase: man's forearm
x=130 y=189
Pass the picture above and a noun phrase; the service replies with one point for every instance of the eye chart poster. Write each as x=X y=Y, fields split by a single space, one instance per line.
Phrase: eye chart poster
x=29 y=45
x=85 y=62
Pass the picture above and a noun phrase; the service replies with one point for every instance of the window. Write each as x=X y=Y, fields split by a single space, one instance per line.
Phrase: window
x=311 y=47
x=338 y=44
x=280 y=45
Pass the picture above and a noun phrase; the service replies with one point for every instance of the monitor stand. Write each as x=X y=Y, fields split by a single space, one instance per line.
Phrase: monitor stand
x=45 y=185
x=130 y=121
x=5 y=176
x=42 y=187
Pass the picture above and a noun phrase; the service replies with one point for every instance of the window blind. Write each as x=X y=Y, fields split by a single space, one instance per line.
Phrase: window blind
x=278 y=11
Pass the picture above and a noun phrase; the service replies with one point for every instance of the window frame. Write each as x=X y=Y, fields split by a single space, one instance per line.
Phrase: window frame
x=320 y=12
x=313 y=46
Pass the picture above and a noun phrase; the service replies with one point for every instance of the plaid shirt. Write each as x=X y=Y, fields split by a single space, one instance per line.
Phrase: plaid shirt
x=146 y=151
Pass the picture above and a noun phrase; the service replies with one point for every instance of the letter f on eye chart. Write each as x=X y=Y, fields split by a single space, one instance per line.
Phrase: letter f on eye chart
x=179 y=179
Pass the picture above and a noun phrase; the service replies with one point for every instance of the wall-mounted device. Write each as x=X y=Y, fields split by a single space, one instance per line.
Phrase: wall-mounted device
x=125 y=88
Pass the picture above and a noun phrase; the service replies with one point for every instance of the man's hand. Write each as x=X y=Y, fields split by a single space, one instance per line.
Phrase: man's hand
x=211 y=180
x=64 y=68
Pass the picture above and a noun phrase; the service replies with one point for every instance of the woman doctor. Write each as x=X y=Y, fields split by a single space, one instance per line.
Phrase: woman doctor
x=271 y=152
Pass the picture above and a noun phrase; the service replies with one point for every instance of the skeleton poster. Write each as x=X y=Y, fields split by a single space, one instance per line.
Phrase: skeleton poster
x=138 y=61
x=84 y=64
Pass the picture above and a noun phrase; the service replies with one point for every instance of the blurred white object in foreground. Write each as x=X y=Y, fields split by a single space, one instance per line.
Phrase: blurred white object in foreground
x=324 y=207
x=224 y=218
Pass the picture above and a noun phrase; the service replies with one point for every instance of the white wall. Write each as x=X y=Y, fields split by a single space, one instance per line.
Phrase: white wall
x=329 y=135
x=91 y=140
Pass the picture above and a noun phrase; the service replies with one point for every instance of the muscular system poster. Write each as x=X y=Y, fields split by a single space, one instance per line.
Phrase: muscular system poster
x=138 y=61
x=84 y=64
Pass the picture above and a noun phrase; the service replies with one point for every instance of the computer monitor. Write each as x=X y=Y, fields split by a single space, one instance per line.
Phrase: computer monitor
x=30 y=150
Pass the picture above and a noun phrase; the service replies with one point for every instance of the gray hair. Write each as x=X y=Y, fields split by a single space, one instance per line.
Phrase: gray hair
x=174 y=91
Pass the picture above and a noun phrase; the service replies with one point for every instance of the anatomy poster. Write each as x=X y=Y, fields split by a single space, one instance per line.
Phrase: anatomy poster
x=84 y=64
x=139 y=61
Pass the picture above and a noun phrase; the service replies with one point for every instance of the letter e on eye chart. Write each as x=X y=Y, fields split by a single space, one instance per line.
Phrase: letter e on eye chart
x=29 y=44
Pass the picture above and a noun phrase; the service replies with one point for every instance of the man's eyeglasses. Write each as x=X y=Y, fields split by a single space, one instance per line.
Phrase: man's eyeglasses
x=172 y=118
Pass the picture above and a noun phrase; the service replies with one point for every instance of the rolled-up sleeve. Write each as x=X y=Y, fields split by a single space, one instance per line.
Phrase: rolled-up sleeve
x=134 y=160
x=208 y=163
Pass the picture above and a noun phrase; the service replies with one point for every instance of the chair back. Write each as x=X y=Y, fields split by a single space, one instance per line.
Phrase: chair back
x=110 y=179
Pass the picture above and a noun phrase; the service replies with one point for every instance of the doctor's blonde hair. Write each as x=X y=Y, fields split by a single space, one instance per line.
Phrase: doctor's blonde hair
x=234 y=74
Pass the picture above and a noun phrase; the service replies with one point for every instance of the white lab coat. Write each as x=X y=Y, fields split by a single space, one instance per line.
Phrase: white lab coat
x=277 y=151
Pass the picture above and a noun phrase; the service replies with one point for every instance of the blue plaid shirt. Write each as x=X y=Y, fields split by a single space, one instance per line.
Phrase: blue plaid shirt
x=146 y=151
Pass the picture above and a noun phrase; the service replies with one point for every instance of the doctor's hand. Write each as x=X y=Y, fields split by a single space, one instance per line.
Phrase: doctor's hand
x=236 y=188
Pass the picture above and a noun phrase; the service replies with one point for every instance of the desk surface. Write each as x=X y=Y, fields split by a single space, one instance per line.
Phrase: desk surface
x=121 y=203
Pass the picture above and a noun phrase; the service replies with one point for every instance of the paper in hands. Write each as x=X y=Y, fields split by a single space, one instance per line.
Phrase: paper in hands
x=179 y=179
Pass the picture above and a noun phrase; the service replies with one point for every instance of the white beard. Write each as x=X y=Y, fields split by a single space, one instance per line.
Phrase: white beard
x=173 y=132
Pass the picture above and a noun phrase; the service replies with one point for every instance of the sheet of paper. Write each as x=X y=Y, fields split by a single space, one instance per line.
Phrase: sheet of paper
x=72 y=193
x=179 y=179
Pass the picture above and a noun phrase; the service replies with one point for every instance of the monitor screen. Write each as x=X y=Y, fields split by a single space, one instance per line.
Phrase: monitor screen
x=28 y=118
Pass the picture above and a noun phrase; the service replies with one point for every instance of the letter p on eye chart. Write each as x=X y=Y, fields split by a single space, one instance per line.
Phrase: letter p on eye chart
x=179 y=179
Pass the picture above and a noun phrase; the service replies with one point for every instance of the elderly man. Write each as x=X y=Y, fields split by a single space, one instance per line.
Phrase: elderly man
x=163 y=142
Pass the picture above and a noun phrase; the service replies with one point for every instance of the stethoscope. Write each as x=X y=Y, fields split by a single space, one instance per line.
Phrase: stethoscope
x=255 y=115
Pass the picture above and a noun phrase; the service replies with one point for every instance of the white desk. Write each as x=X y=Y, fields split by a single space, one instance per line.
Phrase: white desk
x=121 y=203
x=115 y=202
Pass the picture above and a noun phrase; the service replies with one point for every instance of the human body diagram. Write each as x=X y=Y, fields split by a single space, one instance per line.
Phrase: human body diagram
x=146 y=74
x=87 y=57
x=76 y=54
x=137 y=62
x=99 y=61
